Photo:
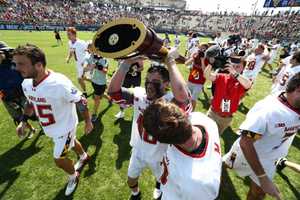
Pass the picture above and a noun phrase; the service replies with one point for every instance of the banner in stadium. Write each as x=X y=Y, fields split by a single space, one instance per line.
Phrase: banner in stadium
x=281 y=3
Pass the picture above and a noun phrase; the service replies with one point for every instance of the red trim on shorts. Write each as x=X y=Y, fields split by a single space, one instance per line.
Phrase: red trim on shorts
x=202 y=154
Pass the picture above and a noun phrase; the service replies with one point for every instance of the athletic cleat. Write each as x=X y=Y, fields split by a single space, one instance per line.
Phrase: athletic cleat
x=81 y=163
x=280 y=164
x=120 y=115
x=72 y=184
x=157 y=193
x=136 y=197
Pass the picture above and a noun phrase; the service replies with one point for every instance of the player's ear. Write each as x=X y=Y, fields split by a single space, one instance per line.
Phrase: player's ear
x=39 y=66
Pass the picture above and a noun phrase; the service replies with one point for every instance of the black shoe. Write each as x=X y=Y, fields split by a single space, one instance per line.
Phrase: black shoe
x=136 y=197
x=280 y=164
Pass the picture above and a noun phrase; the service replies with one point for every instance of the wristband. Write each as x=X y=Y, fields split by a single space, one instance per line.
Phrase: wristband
x=262 y=175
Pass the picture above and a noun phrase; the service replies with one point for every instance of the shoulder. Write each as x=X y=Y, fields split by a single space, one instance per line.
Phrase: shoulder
x=82 y=42
x=59 y=79
x=27 y=82
x=264 y=107
x=139 y=91
x=198 y=118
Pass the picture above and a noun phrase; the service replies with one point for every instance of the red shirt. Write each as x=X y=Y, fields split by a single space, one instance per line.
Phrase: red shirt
x=196 y=74
x=227 y=88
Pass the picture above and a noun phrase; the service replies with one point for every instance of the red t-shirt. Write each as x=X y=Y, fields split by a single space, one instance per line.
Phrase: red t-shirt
x=227 y=94
x=196 y=74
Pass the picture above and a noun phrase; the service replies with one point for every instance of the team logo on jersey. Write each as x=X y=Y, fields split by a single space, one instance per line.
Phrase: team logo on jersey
x=73 y=91
x=279 y=125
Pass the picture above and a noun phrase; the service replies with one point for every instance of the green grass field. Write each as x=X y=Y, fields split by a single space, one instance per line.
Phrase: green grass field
x=27 y=170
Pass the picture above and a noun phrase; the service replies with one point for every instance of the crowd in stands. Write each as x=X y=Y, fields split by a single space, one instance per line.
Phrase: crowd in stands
x=70 y=13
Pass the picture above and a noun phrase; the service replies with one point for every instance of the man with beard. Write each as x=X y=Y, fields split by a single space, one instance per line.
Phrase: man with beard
x=147 y=151
x=53 y=97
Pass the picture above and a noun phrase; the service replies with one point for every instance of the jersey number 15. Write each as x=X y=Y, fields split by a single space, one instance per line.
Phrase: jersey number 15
x=45 y=115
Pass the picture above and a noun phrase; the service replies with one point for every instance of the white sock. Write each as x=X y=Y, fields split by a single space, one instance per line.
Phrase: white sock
x=135 y=193
x=83 y=156
x=73 y=176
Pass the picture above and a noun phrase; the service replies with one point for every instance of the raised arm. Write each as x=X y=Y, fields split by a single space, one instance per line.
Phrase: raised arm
x=178 y=84
x=118 y=77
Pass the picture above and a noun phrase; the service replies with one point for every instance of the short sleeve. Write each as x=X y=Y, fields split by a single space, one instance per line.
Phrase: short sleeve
x=70 y=92
x=256 y=121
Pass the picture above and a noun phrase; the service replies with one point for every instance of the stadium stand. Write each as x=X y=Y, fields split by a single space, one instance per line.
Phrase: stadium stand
x=160 y=17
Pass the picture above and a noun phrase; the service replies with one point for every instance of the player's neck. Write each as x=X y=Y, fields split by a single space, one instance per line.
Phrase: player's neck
x=290 y=100
x=73 y=40
x=40 y=76
x=194 y=141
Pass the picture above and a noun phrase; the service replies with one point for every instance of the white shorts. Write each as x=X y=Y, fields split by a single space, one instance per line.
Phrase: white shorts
x=195 y=90
x=79 y=68
x=63 y=144
x=137 y=164
x=236 y=160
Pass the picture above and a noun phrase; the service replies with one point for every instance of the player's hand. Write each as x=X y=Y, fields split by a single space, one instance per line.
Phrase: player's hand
x=269 y=187
x=88 y=127
x=172 y=55
x=230 y=69
x=132 y=60
x=21 y=129
x=67 y=60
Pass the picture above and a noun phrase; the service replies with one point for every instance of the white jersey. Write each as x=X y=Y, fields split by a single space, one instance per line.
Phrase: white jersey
x=193 y=45
x=176 y=42
x=79 y=49
x=53 y=100
x=148 y=147
x=254 y=65
x=277 y=123
x=285 y=75
x=191 y=176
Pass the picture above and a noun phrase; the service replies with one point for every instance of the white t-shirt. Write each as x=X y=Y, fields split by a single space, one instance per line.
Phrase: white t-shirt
x=54 y=100
x=193 y=176
x=277 y=122
x=284 y=76
x=254 y=65
x=79 y=48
